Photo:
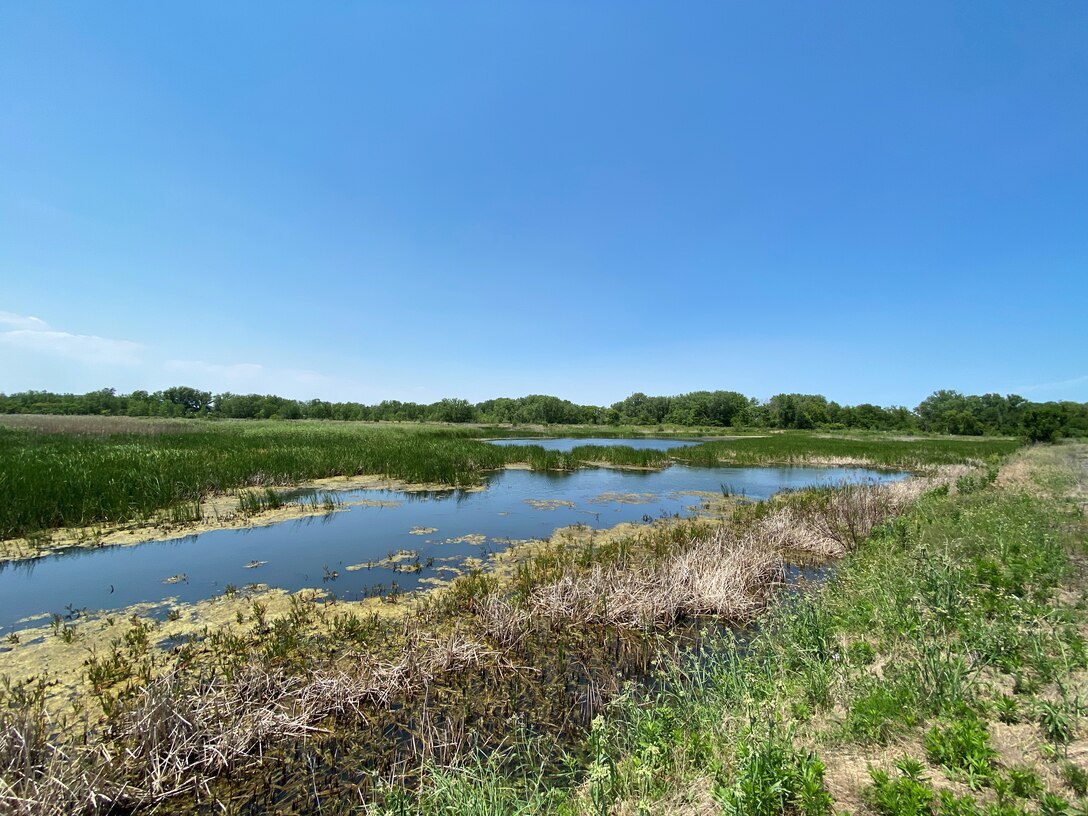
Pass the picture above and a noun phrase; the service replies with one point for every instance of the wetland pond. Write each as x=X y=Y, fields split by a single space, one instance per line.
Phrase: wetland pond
x=380 y=540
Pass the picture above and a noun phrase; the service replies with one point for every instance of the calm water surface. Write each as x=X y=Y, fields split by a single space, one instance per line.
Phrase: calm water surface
x=567 y=444
x=516 y=504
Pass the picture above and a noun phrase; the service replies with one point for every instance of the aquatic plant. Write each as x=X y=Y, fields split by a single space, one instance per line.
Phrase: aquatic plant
x=251 y=502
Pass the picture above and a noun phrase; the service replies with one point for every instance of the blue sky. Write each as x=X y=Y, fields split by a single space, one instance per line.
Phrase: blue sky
x=410 y=201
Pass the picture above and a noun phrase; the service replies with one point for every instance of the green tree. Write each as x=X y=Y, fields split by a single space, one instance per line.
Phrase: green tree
x=188 y=400
x=451 y=410
x=1042 y=423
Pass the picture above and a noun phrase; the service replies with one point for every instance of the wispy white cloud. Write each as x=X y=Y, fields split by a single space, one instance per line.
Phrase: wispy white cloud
x=10 y=321
x=33 y=354
x=33 y=335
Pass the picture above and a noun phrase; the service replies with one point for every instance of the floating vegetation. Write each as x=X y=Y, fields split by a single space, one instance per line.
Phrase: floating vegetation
x=548 y=504
x=624 y=498
x=180 y=578
x=254 y=564
x=471 y=538
x=422 y=530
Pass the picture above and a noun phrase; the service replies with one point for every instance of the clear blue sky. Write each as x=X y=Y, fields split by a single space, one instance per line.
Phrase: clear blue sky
x=408 y=200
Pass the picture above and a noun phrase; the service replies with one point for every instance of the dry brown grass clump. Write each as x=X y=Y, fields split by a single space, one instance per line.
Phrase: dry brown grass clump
x=505 y=622
x=95 y=425
x=717 y=575
x=725 y=574
x=40 y=778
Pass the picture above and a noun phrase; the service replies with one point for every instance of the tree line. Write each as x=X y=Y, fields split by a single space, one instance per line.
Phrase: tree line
x=943 y=411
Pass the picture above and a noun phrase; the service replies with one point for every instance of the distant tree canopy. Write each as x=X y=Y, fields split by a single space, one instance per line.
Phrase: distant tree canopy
x=948 y=412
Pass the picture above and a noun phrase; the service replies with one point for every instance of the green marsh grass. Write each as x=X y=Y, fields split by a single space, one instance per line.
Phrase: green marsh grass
x=54 y=480
x=889 y=451
x=251 y=502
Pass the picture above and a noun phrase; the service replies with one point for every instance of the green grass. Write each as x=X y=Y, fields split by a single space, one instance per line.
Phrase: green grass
x=257 y=501
x=883 y=450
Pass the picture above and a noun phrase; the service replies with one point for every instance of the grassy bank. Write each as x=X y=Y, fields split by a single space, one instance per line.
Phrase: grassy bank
x=76 y=471
x=940 y=671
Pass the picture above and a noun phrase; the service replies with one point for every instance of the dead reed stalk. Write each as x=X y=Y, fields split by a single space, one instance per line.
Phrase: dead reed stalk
x=725 y=574
x=179 y=738
x=504 y=622
x=716 y=575
x=835 y=522
x=37 y=776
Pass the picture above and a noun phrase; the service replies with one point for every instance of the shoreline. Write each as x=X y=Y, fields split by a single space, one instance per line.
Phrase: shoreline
x=56 y=652
x=220 y=512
